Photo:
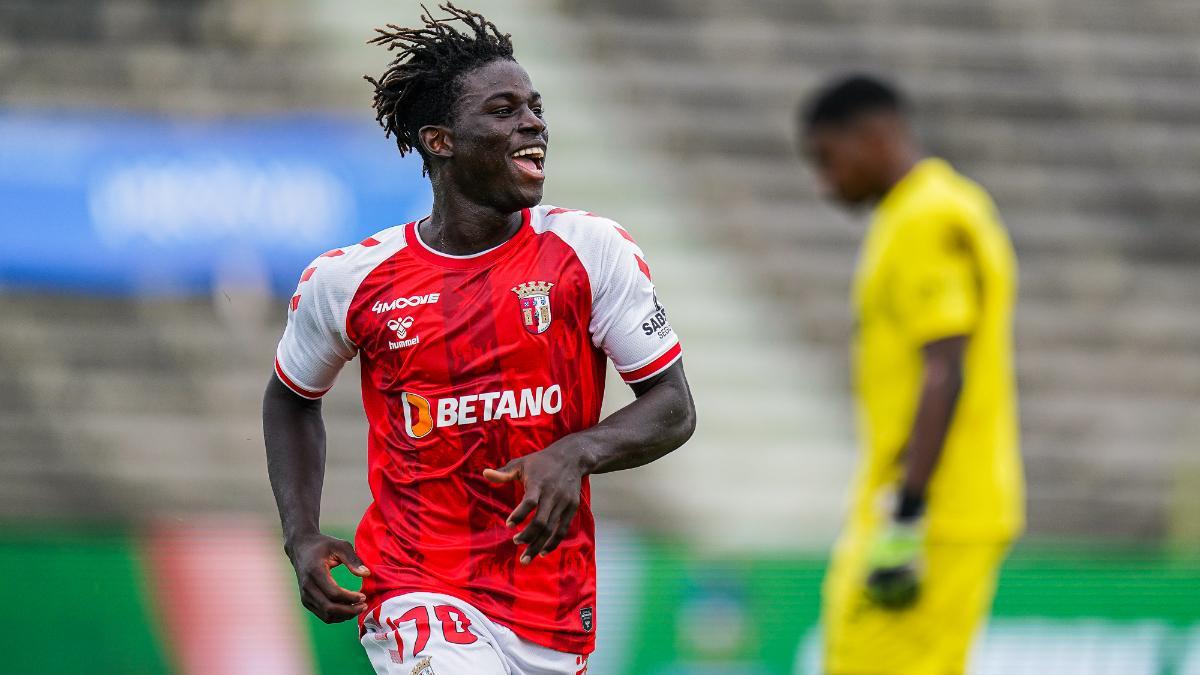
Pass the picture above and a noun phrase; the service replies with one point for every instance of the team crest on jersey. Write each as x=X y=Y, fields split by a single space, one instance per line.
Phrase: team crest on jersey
x=534 y=297
x=424 y=667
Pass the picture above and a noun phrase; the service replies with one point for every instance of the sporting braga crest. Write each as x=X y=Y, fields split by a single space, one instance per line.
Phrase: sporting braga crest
x=535 y=305
x=424 y=666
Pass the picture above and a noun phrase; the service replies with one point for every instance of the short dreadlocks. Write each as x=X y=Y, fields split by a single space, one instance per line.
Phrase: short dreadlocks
x=420 y=85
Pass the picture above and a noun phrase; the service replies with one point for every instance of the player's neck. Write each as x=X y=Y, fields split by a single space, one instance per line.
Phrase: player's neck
x=458 y=226
x=899 y=165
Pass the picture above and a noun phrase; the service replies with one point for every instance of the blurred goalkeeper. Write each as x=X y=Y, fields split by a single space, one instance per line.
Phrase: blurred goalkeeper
x=939 y=495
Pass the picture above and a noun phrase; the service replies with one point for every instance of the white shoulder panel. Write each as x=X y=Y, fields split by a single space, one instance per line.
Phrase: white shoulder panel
x=315 y=344
x=627 y=322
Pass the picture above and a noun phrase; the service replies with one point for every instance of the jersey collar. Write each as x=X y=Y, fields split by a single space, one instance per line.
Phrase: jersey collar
x=919 y=173
x=482 y=259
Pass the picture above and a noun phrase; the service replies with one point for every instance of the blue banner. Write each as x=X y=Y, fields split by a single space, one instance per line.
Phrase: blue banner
x=148 y=205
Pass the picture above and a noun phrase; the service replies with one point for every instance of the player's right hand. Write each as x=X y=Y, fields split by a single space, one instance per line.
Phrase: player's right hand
x=893 y=581
x=313 y=556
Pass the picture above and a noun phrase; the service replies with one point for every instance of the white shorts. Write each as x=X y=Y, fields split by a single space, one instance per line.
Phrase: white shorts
x=435 y=634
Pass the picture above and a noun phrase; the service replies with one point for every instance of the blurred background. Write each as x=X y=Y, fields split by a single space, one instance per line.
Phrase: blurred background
x=168 y=167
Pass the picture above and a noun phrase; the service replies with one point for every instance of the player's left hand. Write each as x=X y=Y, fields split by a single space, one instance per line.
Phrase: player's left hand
x=552 y=479
x=893 y=581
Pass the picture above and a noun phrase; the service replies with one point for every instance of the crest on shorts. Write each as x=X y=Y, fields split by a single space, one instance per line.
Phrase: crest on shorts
x=424 y=667
x=534 y=297
x=585 y=618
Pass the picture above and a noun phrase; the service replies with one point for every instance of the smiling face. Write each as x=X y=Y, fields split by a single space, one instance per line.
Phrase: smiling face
x=495 y=148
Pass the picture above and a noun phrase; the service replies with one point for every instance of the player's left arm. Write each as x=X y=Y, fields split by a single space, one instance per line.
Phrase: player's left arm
x=938 y=303
x=893 y=581
x=659 y=420
x=662 y=418
x=941 y=382
x=630 y=325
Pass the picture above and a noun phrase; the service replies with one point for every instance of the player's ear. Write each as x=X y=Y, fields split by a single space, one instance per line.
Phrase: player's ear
x=883 y=129
x=437 y=140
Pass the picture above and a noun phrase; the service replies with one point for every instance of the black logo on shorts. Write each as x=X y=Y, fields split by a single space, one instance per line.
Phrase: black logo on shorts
x=585 y=618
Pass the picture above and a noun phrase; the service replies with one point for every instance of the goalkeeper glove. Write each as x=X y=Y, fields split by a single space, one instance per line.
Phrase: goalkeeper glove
x=893 y=581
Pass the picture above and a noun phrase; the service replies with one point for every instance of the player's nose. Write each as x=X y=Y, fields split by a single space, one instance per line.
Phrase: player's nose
x=531 y=123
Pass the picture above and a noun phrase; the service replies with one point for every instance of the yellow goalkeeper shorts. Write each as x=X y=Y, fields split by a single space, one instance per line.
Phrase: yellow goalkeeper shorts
x=933 y=637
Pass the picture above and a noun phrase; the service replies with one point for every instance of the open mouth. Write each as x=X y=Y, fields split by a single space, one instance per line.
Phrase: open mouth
x=531 y=161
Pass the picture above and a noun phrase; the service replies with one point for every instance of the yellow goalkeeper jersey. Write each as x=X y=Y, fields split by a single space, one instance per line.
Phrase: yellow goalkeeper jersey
x=937 y=262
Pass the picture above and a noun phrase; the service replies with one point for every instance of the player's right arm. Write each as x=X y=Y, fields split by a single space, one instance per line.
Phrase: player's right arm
x=310 y=354
x=295 y=437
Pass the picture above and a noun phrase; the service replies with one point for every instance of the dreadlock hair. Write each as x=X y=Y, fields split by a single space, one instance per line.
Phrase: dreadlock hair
x=846 y=99
x=420 y=85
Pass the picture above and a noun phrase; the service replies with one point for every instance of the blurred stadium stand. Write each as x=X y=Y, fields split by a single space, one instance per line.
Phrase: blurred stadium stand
x=134 y=360
x=126 y=407
x=676 y=119
x=192 y=57
x=1082 y=118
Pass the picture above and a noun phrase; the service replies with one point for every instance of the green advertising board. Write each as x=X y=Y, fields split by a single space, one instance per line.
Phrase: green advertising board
x=79 y=603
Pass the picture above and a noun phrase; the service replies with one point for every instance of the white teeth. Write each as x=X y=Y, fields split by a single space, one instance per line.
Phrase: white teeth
x=530 y=152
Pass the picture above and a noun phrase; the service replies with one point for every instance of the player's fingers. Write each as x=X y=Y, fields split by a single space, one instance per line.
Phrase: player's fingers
x=561 y=524
x=519 y=514
x=312 y=605
x=505 y=474
x=531 y=551
x=539 y=531
x=538 y=524
x=344 y=553
x=564 y=526
x=333 y=612
x=323 y=583
x=328 y=611
x=499 y=476
x=538 y=546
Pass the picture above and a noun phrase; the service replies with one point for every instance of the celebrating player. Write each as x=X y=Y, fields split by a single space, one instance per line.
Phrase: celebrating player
x=939 y=494
x=482 y=331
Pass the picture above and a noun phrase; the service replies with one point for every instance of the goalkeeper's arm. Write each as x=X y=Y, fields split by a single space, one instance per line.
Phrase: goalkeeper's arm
x=893 y=579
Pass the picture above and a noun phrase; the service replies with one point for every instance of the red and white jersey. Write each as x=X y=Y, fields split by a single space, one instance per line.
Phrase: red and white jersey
x=467 y=363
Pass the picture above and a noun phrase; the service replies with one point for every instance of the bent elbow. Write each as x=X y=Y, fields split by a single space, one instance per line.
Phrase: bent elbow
x=684 y=424
x=688 y=423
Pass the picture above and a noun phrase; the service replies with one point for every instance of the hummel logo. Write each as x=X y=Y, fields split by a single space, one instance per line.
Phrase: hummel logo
x=401 y=327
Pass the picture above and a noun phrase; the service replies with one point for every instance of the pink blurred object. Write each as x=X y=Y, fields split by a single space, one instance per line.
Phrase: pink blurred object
x=225 y=602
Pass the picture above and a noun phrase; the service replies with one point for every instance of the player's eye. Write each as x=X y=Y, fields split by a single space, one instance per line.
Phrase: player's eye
x=537 y=110
x=502 y=111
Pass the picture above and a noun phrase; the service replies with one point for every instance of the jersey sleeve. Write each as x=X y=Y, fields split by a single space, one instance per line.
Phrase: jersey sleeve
x=315 y=346
x=628 y=322
x=936 y=289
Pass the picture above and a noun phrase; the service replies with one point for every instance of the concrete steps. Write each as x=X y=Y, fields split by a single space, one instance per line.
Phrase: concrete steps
x=676 y=119
x=1157 y=17
x=1080 y=118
